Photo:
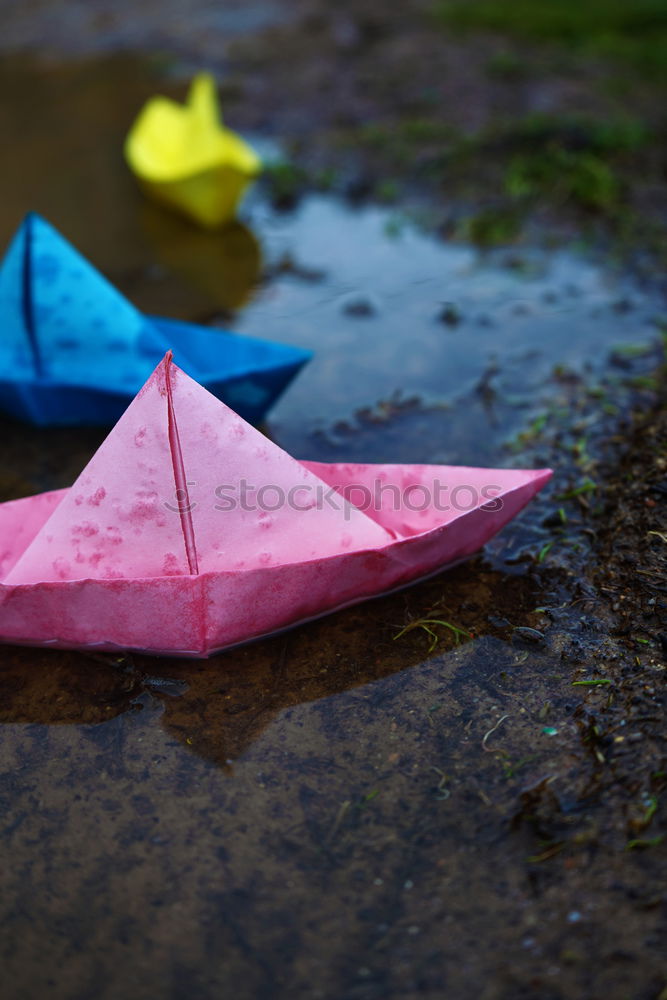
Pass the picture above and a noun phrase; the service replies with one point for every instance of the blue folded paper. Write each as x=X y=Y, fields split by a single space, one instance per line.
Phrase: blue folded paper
x=73 y=350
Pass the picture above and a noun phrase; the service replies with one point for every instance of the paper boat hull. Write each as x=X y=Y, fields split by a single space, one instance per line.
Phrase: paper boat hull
x=53 y=405
x=74 y=351
x=207 y=613
x=246 y=373
x=210 y=198
x=184 y=157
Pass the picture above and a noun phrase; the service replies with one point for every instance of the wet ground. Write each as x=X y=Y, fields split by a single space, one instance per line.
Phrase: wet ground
x=344 y=811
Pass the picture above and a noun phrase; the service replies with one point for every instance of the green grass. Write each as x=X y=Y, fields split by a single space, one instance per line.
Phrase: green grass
x=285 y=181
x=640 y=842
x=544 y=551
x=578 y=132
x=588 y=486
x=426 y=623
x=569 y=158
x=506 y=66
x=569 y=177
x=492 y=227
x=631 y=30
x=573 y=161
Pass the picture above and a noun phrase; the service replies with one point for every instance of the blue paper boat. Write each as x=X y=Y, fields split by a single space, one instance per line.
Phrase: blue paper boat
x=73 y=350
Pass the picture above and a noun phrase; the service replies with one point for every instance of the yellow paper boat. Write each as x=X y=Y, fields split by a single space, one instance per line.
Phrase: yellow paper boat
x=184 y=156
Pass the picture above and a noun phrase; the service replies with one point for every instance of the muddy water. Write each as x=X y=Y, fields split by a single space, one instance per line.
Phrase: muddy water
x=327 y=813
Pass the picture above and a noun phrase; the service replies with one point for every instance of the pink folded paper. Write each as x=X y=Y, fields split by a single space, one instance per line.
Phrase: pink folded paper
x=189 y=531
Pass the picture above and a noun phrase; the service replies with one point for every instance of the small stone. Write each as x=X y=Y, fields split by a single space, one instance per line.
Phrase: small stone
x=449 y=314
x=360 y=308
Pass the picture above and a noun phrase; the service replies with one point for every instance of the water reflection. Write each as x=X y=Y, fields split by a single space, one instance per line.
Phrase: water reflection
x=36 y=459
x=376 y=326
x=67 y=124
x=54 y=687
x=223 y=265
x=217 y=708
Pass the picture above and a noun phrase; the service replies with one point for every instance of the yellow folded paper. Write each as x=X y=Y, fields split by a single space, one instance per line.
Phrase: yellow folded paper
x=184 y=156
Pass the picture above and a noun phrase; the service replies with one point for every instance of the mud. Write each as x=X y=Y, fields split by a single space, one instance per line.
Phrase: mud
x=346 y=811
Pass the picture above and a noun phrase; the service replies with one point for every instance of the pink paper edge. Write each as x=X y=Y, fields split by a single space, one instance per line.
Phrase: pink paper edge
x=541 y=476
x=198 y=655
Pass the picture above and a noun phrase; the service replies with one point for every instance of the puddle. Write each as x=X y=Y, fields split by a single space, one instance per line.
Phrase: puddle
x=305 y=815
x=434 y=352
x=424 y=352
x=65 y=161
x=404 y=322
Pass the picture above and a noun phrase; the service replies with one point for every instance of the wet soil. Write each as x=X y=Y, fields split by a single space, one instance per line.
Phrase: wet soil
x=352 y=810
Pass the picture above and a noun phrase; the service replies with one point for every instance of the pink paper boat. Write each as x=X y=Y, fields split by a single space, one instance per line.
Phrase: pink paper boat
x=189 y=531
